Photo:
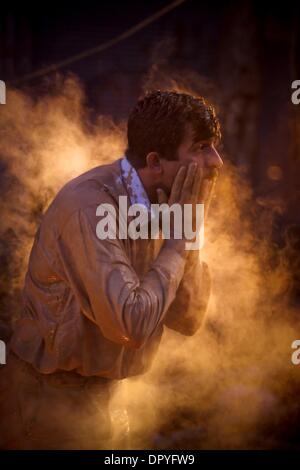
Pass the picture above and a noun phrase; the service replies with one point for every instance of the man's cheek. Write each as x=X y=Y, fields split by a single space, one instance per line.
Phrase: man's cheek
x=200 y=160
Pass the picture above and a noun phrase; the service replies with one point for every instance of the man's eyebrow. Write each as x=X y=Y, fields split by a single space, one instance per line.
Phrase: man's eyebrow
x=202 y=141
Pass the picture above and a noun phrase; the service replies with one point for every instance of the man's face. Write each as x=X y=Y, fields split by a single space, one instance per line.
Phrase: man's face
x=202 y=152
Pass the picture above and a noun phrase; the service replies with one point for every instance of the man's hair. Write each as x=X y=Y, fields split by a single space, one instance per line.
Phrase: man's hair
x=158 y=121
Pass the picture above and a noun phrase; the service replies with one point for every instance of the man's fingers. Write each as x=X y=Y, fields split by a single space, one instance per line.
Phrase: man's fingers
x=161 y=196
x=177 y=185
x=197 y=184
x=188 y=182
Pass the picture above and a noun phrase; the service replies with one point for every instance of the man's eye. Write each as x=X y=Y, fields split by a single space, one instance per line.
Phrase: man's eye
x=200 y=147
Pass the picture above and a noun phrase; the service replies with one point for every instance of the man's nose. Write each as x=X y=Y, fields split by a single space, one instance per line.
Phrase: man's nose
x=213 y=159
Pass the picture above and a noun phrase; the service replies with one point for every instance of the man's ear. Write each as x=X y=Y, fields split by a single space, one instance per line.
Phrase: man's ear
x=154 y=162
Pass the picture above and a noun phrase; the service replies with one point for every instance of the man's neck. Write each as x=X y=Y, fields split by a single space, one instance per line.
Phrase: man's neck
x=148 y=185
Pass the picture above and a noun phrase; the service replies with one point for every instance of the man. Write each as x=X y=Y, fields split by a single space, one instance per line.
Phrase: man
x=95 y=309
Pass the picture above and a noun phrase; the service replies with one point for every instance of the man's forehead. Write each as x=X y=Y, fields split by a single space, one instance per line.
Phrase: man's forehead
x=191 y=137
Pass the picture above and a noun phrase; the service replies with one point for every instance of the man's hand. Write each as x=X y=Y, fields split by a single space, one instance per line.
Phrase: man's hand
x=189 y=187
x=185 y=190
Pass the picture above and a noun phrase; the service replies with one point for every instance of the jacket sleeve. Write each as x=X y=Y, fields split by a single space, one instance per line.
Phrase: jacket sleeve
x=126 y=309
x=187 y=311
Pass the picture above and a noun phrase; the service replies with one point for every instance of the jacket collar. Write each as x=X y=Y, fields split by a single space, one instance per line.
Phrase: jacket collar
x=136 y=191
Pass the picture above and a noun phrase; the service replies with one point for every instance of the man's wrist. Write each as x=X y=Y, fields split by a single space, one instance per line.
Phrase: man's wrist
x=178 y=245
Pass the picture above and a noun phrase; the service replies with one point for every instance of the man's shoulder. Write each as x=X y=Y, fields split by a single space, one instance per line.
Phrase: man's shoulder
x=88 y=189
x=108 y=175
